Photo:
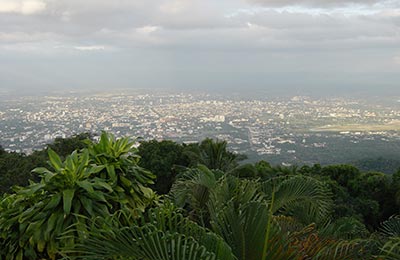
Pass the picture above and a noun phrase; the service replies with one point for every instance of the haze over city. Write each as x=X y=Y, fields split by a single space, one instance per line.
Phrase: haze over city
x=301 y=47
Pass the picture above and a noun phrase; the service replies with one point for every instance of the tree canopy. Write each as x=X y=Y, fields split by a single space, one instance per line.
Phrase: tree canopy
x=108 y=199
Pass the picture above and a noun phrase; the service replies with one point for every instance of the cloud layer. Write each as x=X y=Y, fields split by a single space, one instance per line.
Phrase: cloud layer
x=225 y=43
x=319 y=3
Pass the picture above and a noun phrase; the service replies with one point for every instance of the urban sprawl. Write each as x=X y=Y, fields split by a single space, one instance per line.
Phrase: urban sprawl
x=278 y=128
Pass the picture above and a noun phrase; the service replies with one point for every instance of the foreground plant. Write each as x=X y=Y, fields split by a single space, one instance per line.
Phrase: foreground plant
x=89 y=183
x=159 y=234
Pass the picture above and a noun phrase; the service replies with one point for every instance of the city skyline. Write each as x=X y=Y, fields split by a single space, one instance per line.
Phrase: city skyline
x=303 y=46
x=292 y=130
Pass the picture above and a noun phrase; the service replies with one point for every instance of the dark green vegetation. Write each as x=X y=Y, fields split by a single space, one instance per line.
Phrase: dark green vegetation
x=163 y=200
x=367 y=155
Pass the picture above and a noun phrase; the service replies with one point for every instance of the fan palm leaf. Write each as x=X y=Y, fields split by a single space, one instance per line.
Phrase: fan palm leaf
x=391 y=249
x=391 y=227
x=305 y=198
x=161 y=233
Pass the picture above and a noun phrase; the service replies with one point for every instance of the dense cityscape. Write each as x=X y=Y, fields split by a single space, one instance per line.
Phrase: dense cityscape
x=282 y=130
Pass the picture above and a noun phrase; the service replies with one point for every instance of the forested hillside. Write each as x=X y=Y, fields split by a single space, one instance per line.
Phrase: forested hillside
x=115 y=199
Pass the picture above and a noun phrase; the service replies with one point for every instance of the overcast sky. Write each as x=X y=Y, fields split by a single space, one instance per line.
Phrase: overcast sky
x=303 y=45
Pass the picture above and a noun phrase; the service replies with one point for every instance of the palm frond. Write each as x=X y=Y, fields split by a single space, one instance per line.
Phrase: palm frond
x=308 y=199
x=244 y=228
x=344 y=228
x=161 y=233
x=391 y=227
x=348 y=249
x=391 y=249
x=193 y=189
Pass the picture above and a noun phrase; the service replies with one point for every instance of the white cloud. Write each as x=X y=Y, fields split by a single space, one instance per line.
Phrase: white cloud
x=318 y=3
x=32 y=7
x=90 y=48
x=25 y=7
x=8 y=7
x=147 y=29
x=391 y=13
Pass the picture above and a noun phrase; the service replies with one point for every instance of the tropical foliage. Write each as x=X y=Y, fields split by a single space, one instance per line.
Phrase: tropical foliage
x=163 y=159
x=213 y=154
x=92 y=182
x=98 y=203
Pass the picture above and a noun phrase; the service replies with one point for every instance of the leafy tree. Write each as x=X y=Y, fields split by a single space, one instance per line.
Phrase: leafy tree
x=377 y=187
x=15 y=169
x=343 y=174
x=369 y=197
x=388 y=164
x=213 y=154
x=65 y=146
x=261 y=169
x=345 y=205
x=396 y=178
x=247 y=171
x=314 y=170
x=162 y=159
x=395 y=187
x=372 y=184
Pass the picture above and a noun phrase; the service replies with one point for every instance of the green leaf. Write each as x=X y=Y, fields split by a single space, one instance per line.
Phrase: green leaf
x=99 y=183
x=86 y=185
x=42 y=171
x=98 y=196
x=84 y=160
x=20 y=255
x=54 y=201
x=94 y=169
x=87 y=204
x=51 y=224
x=27 y=214
x=147 y=192
x=111 y=173
x=41 y=244
x=308 y=199
x=68 y=195
x=32 y=189
x=55 y=160
x=125 y=182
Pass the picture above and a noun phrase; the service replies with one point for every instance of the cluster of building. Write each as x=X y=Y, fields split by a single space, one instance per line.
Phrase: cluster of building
x=262 y=126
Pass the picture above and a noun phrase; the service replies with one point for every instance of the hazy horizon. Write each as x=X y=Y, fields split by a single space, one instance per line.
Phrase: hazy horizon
x=286 y=47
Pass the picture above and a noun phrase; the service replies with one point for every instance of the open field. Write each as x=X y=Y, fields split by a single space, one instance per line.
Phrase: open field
x=394 y=126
